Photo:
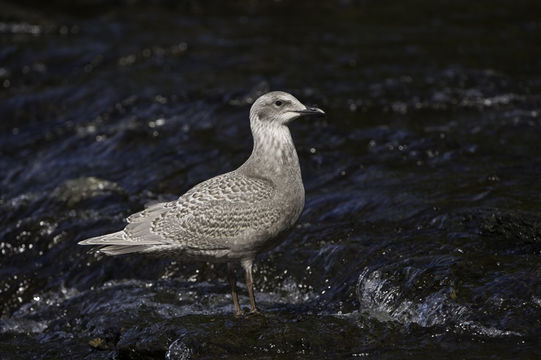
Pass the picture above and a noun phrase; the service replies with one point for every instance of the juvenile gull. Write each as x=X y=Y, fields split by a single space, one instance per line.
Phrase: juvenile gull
x=234 y=216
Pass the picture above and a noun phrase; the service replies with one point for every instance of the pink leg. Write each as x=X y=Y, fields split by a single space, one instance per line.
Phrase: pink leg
x=247 y=265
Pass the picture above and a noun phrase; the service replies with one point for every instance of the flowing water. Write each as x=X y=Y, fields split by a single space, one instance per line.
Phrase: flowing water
x=421 y=235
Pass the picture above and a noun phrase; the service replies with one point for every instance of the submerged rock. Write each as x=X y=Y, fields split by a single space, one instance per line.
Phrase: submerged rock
x=76 y=190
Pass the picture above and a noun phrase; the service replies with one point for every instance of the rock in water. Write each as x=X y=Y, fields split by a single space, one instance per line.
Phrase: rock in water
x=234 y=216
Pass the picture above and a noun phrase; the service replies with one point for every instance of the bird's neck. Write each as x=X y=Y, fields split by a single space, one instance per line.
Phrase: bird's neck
x=274 y=153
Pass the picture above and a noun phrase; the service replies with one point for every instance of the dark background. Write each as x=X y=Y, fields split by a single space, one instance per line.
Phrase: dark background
x=421 y=235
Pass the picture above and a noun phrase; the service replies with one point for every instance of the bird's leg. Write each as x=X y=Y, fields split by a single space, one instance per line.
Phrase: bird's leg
x=233 y=283
x=247 y=265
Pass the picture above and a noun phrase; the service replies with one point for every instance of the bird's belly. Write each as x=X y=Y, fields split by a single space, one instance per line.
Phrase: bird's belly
x=290 y=207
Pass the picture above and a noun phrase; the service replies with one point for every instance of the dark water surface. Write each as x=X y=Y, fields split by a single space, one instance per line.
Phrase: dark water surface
x=421 y=236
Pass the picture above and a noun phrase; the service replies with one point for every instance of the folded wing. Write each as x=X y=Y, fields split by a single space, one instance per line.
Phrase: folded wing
x=208 y=217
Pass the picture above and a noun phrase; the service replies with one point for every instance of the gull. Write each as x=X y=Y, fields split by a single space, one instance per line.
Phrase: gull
x=230 y=217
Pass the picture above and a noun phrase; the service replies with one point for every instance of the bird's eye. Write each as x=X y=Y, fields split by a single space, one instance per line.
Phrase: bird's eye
x=278 y=103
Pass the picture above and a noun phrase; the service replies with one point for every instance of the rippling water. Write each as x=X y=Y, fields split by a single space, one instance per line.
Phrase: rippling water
x=421 y=235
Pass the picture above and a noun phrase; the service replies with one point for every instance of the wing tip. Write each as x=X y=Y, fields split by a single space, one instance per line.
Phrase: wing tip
x=103 y=239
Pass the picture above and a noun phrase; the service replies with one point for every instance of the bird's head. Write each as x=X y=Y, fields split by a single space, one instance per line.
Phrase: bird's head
x=279 y=108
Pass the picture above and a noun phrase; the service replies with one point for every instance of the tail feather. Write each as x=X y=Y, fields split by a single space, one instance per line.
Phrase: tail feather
x=123 y=249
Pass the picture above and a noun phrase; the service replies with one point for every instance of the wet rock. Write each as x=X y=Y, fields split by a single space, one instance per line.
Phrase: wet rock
x=469 y=284
x=269 y=335
x=512 y=230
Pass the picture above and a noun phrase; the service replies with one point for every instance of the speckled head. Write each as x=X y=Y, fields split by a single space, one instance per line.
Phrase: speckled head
x=279 y=108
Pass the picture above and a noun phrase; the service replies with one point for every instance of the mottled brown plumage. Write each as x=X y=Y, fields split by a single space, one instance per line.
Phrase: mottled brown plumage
x=234 y=216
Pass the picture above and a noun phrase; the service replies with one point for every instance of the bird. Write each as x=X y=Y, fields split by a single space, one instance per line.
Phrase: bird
x=234 y=216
